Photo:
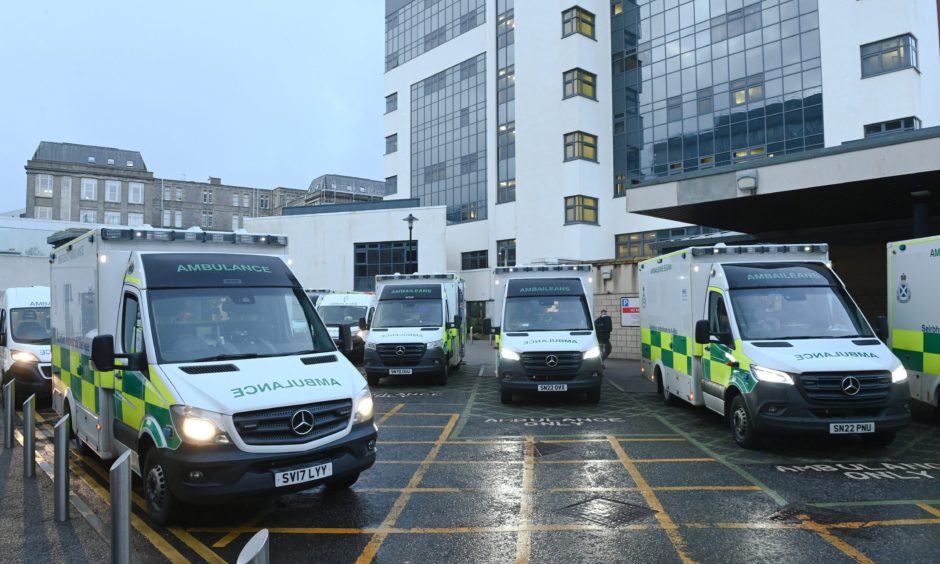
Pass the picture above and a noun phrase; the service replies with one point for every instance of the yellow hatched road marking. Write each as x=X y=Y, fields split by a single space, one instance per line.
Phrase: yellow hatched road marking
x=524 y=539
x=369 y=552
x=929 y=509
x=231 y=536
x=844 y=547
x=664 y=519
x=389 y=413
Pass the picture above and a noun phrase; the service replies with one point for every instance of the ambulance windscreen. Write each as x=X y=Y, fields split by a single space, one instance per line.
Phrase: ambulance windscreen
x=764 y=275
x=546 y=305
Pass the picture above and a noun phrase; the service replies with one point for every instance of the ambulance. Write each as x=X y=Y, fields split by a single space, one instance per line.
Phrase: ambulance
x=418 y=328
x=200 y=354
x=768 y=336
x=348 y=308
x=545 y=326
x=25 y=355
x=914 y=313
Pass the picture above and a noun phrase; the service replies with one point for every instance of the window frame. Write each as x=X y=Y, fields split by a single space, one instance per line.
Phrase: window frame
x=112 y=214
x=883 y=127
x=877 y=51
x=135 y=215
x=579 y=141
x=508 y=245
x=91 y=185
x=583 y=18
x=41 y=191
x=579 y=204
x=109 y=186
x=82 y=216
x=474 y=260
x=391 y=144
x=46 y=212
x=391 y=103
x=579 y=81
x=137 y=187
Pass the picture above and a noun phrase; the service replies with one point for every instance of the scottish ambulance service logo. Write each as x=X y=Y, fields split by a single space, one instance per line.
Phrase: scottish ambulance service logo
x=904 y=291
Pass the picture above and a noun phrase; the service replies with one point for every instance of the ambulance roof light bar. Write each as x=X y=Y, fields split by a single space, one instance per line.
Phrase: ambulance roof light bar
x=760 y=249
x=548 y=268
x=191 y=235
x=417 y=276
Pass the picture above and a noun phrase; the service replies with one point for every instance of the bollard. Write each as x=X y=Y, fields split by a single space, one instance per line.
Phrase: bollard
x=9 y=391
x=61 y=469
x=256 y=550
x=29 y=437
x=121 y=509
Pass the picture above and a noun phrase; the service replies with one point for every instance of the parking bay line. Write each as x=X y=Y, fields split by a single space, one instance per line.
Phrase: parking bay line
x=515 y=440
x=524 y=538
x=375 y=543
x=515 y=462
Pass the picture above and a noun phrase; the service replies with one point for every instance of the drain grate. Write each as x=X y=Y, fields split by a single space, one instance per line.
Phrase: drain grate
x=607 y=512
x=791 y=514
x=545 y=449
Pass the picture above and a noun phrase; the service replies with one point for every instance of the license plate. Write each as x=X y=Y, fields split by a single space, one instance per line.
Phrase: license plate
x=851 y=428
x=553 y=387
x=301 y=475
x=399 y=371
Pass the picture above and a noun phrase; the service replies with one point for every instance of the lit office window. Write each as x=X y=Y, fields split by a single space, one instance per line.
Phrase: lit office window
x=580 y=145
x=889 y=55
x=44 y=185
x=579 y=82
x=581 y=209
x=577 y=20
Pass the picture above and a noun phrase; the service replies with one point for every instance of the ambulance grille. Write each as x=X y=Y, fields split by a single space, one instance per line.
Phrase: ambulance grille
x=552 y=365
x=46 y=371
x=826 y=387
x=274 y=426
x=411 y=353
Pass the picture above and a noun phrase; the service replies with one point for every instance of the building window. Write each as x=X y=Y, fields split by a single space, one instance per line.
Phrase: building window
x=42 y=212
x=579 y=82
x=235 y=200
x=892 y=126
x=88 y=216
x=889 y=55
x=135 y=219
x=245 y=201
x=135 y=192
x=506 y=252
x=474 y=259
x=206 y=218
x=112 y=190
x=179 y=219
x=635 y=245
x=207 y=197
x=130 y=163
x=577 y=20
x=391 y=144
x=179 y=194
x=580 y=209
x=391 y=185
x=263 y=201
x=44 y=185
x=580 y=145
x=391 y=102
x=235 y=224
x=743 y=91
x=620 y=185
x=167 y=218
x=112 y=218
x=419 y=26
x=65 y=198
x=385 y=257
x=89 y=189
x=167 y=193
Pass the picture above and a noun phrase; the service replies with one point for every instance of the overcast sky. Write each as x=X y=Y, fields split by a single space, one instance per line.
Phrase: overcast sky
x=260 y=93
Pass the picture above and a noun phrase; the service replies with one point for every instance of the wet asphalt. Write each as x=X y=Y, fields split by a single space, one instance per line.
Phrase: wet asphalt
x=461 y=477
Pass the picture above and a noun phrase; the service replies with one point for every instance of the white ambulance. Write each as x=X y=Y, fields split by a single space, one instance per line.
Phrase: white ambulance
x=546 y=340
x=768 y=336
x=418 y=328
x=348 y=308
x=914 y=313
x=25 y=355
x=200 y=353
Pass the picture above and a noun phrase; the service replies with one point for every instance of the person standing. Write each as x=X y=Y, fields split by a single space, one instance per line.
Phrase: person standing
x=603 y=327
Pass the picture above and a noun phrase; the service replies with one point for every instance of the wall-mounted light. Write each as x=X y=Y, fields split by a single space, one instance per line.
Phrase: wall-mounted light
x=746 y=180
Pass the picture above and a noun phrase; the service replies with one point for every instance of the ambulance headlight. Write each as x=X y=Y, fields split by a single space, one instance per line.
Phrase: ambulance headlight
x=770 y=375
x=24 y=356
x=364 y=407
x=508 y=354
x=592 y=352
x=435 y=344
x=370 y=346
x=199 y=426
x=898 y=375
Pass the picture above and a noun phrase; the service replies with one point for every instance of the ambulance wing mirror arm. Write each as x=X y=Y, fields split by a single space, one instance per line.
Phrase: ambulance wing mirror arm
x=363 y=324
x=102 y=353
x=3 y=339
x=881 y=328
x=702 y=336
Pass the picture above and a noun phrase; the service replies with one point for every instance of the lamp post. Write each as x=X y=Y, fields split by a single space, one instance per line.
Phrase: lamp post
x=411 y=219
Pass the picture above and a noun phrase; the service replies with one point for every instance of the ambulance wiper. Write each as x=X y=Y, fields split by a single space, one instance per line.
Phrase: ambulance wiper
x=227 y=357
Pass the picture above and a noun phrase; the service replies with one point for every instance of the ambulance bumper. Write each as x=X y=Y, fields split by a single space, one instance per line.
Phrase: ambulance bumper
x=228 y=473
x=780 y=409
x=514 y=378
x=30 y=379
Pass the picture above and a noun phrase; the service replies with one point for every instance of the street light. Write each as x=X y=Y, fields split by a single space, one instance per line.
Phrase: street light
x=411 y=219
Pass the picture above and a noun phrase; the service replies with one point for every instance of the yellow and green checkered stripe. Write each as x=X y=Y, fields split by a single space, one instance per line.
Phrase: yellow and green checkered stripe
x=675 y=351
x=715 y=366
x=76 y=373
x=918 y=351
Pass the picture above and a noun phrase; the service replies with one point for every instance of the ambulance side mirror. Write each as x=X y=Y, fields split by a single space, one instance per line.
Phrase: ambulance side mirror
x=102 y=353
x=363 y=324
x=3 y=339
x=701 y=332
x=458 y=321
x=881 y=328
x=345 y=339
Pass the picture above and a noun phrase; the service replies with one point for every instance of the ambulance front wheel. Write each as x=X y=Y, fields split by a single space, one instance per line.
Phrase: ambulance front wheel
x=161 y=505
x=742 y=426
x=668 y=399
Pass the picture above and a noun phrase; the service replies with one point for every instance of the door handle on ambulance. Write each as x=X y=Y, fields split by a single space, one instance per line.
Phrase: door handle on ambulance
x=119 y=374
